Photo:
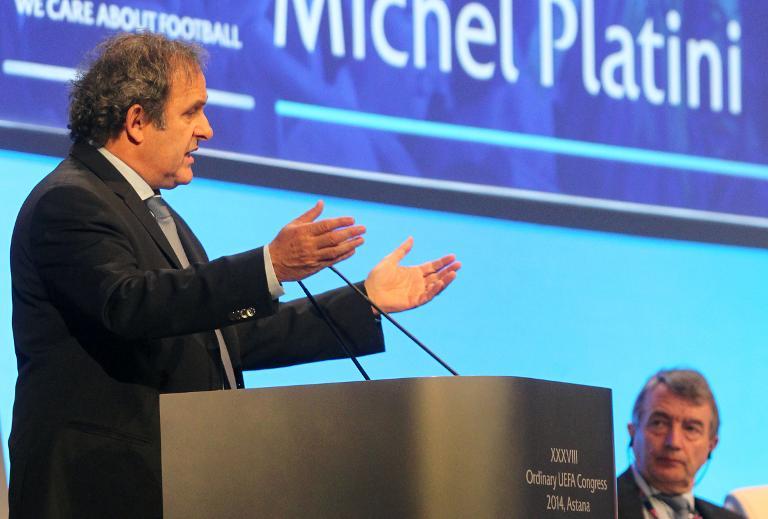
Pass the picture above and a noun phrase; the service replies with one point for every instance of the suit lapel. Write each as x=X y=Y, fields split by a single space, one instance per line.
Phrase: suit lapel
x=710 y=511
x=112 y=178
x=701 y=509
x=628 y=495
x=192 y=246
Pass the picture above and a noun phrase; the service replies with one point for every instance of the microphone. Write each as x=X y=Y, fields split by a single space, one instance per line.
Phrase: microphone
x=332 y=327
x=393 y=321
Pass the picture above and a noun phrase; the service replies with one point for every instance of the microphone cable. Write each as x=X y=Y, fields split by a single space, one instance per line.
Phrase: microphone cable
x=393 y=321
x=335 y=331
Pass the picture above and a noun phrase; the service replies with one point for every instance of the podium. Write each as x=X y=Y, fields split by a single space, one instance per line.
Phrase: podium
x=463 y=447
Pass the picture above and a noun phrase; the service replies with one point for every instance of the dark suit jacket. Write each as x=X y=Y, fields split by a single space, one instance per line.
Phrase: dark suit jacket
x=105 y=320
x=631 y=504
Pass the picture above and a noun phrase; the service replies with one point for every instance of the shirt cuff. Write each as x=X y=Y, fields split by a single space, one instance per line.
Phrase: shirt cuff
x=275 y=288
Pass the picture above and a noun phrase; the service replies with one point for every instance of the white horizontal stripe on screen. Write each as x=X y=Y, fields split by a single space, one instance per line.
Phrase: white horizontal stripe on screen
x=525 y=141
x=461 y=187
x=65 y=74
x=494 y=191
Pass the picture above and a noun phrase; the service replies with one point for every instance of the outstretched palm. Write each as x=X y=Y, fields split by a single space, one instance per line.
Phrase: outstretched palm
x=395 y=288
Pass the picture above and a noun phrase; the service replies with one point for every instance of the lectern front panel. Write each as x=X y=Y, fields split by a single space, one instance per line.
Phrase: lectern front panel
x=468 y=447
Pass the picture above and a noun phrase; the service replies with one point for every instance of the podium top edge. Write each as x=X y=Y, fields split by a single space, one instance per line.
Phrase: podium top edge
x=400 y=380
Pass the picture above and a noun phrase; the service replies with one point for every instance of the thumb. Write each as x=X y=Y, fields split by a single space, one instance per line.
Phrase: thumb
x=399 y=253
x=312 y=214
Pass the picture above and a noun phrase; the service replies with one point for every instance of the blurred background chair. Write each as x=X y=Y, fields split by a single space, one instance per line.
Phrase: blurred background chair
x=751 y=502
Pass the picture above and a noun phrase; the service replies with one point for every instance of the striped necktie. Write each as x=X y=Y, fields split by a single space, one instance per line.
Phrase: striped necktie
x=677 y=503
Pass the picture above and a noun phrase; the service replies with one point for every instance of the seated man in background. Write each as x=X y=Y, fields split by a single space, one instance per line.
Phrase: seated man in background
x=673 y=433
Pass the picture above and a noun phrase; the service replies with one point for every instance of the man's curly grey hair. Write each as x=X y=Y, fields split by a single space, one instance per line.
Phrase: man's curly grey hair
x=125 y=70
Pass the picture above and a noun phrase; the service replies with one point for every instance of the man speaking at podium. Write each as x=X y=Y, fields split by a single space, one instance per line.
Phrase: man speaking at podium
x=115 y=301
x=673 y=433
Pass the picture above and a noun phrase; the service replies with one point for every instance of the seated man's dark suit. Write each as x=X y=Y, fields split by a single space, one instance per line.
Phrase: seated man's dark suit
x=631 y=502
x=105 y=320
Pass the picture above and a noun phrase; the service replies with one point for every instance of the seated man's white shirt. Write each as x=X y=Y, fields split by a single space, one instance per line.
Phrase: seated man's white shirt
x=662 y=508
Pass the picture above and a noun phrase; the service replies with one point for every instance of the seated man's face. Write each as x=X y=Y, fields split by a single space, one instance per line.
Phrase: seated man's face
x=672 y=440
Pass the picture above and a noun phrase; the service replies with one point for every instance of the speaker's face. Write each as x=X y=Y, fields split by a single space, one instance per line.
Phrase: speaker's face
x=167 y=151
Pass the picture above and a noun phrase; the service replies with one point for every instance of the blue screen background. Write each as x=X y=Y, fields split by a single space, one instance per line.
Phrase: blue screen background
x=534 y=301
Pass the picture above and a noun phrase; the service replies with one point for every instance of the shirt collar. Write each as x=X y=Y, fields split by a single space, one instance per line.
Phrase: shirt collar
x=134 y=179
x=650 y=491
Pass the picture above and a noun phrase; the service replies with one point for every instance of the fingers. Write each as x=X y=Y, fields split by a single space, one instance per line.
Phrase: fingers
x=328 y=225
x=326 y=240
x=437 y=265
x=331 y=255
x=336 y=235
x=442 y=278
x=438 y=281
x=344 y=256
x=305 y=246
x=445 y=275
x=312 y=214
x=435 y=287
x=446 y=279
x=451 y=268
